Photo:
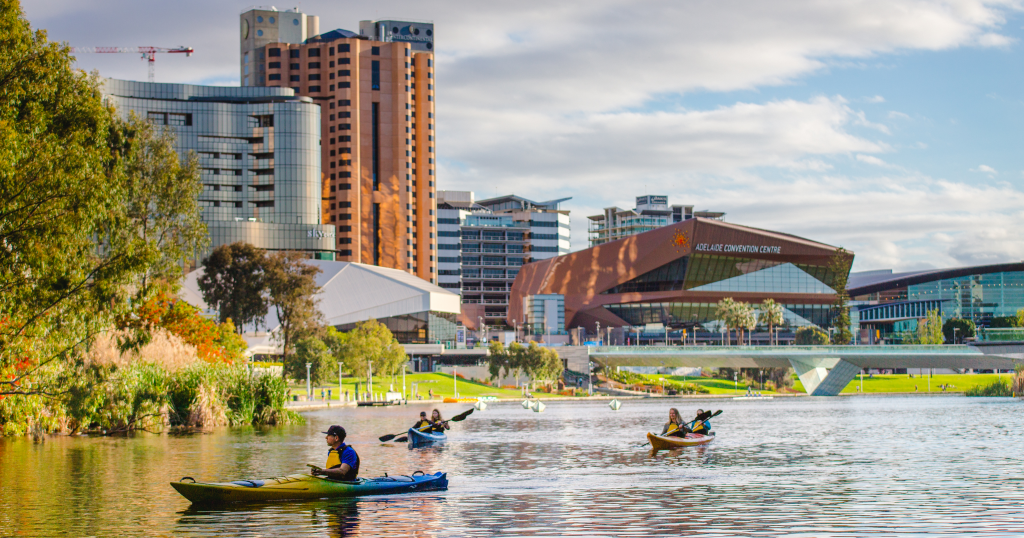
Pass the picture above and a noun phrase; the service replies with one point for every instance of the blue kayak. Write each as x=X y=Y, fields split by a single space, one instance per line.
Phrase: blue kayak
x=418 y=438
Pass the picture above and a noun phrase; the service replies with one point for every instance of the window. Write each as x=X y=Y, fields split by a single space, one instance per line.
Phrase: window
x=345 y=252
x=343 y=48
x=266 y=120
x=345 y=61
x=275 y=65
x=345 y=216
x=375 y=74
x=157 y=118
x=275 y=53
x=375 y=51
x=331 y=52
x=344 y=73
x=314 y=65
x=430 y=74
x=293 y=53
x=313 y=53
x=179 y=119
x=344 y=204
x=293 y=78
x=430 y=114
x=293 y=66
x=345 y=138
x=344 y=114
x=430 y=63
x=345 y=127
x=344 y=85
x=345 y=186
x=344 y=102
x=314 y=77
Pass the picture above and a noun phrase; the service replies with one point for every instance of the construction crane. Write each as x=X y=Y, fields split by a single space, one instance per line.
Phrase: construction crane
x=148 y=53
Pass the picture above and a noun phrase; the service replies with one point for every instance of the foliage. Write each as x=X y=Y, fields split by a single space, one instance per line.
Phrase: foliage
x=498 y=363
x=1020 y=318
x=213 y=342
x=929 y=329
x=810 y=336
x=771 y=315
x=542 y=363
x=964 y=329
x=233 y=283
x=999 y=387
x=311 y=350
x=736 y=315
x=839 y=266
x=539 y=363
x=292 y=287
x=1003 y=322
x=1018 y=381
x=370 y=342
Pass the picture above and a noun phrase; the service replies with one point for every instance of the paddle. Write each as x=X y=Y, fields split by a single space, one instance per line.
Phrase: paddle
x=700 y=418
x=457 y=418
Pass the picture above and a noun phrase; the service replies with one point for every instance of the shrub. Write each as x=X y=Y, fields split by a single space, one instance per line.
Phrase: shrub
x=810 y=336
x=999 y=387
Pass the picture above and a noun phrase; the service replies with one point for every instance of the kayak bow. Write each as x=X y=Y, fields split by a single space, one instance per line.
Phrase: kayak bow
x=418 y=438
x=692 y=439
x=303 y=486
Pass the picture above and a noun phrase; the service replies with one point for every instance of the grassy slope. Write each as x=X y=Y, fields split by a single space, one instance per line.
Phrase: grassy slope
x=715 y=386
x=902 y=383
x=441 y=384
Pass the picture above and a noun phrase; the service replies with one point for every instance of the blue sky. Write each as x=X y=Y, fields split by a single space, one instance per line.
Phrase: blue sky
x=891 y=128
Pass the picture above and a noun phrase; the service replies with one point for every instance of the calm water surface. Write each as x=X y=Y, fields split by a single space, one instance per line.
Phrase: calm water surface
x=850 y=466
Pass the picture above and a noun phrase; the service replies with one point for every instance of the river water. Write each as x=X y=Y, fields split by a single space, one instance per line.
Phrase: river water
x=847 y=466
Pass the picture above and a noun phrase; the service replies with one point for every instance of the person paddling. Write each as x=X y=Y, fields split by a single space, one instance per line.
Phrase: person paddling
x=674 y=427
x=701 y=426
x=422 y=424
x=342 y=460
x=439 y=424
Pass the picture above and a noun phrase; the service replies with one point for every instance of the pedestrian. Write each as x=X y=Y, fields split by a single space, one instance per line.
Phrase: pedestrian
x=430 y=394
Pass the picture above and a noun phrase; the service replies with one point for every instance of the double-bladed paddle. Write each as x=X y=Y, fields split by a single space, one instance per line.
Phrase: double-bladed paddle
x=700 y=418
x=456 y=418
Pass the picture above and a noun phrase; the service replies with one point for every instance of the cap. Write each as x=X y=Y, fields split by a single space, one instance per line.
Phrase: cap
x=336 y=430
x=423 y=413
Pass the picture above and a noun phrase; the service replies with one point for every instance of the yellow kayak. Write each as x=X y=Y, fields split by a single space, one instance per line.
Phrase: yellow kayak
x=665 y=443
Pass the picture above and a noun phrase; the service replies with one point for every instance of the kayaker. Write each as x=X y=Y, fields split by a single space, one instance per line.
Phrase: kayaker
x=438 y=423
x=674 y=427
x=422 y=424
x=342 y=460
x=702 y=427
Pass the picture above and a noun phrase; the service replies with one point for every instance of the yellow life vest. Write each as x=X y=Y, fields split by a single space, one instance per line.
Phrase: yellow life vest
x=333 y=459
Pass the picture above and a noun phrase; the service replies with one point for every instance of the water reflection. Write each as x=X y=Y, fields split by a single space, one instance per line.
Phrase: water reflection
x=799 y=467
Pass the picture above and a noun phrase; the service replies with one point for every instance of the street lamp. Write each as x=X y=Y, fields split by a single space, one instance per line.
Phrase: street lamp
x=598 y=332
x=309 y=389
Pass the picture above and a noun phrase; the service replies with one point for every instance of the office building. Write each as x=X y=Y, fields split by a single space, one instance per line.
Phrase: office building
x=376 y=94
x=675 y=275
x=482 y=244
x=651 y=212
x=259 y=157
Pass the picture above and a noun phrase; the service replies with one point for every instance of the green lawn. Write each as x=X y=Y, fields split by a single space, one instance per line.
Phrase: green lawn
x=714 y=386
x=442 y=386
x=903 y=383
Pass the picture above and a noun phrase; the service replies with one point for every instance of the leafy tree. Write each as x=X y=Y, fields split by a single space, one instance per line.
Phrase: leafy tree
x=839 y=266
x=234 y=282
x=811 y=335
x=771 y=315
x=964 y=329
x=929 y=329
x=544 y=363
x=497 y=360
x=292 y=287
x=1020 y=318
x=725 y=313
x=1004 y=322
x=81 y=240
x=746 y=318
x=313 y=350
x=371 y=343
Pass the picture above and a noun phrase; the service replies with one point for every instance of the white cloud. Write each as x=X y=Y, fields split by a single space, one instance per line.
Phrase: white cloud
x=985 y=169
x=875 y=99
x=893 y=115
x=872 y=160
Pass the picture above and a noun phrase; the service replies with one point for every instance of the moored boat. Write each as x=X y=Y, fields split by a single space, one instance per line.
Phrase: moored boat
x=659 y=442
x=418 y=438
x=304 y=486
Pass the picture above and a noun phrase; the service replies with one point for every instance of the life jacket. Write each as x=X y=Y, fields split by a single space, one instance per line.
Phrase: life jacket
x=422 y=425
x=334 y=461
x=702 y=427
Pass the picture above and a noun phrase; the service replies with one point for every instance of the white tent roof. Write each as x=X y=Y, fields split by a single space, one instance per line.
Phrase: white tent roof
x=352 y=292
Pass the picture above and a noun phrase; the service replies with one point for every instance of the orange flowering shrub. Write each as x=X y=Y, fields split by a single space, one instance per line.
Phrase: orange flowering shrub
x=214 y=342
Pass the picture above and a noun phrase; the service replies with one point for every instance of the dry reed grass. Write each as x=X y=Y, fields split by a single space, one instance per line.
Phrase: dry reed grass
x=208 y=410
x=164 y=349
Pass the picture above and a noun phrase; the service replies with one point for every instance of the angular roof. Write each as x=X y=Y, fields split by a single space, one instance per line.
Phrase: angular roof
x=866 y=282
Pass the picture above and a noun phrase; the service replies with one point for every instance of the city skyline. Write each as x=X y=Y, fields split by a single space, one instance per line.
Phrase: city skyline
x=887 y=128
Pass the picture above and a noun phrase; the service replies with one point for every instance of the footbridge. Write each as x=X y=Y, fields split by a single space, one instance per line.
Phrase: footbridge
x=823 y=370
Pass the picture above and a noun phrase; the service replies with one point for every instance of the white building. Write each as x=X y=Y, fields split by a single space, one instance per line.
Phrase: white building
x=651 y=212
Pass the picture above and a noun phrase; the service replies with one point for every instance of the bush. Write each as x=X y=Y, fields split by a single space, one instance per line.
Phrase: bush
x=999 y=387
x=964 y=329
x=810 y=336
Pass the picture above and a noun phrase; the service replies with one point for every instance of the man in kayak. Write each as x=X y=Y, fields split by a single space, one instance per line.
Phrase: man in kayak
x=342 y=460
x=422 y=424
x=674 y=427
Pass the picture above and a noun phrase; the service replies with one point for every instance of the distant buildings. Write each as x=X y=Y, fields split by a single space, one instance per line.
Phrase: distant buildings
x=651 y=212
x=482 y=244
x=257 y=150
x=376 y=94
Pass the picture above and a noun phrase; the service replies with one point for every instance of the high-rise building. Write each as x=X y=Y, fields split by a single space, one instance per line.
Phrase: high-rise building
x=482 y=245
x=652 y=211
x=259 y=159
x=376 y=94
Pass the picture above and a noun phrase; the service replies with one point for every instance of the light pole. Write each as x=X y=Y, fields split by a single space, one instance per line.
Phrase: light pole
x=598 y=332
x=309 y=389
x=341 y=391
x=955 y=329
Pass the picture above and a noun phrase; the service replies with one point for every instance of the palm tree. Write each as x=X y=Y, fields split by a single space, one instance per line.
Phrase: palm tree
x=725 y=313
x=747 y=317
x=771 y=314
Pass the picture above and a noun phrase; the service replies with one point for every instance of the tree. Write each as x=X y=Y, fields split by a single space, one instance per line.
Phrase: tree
x=725 y=313
x=964 y=329
x=312 y=350
x=292 y=287
x=79 y=246
x=234 y=282
x=810 y=335
x=1020 y=318
x=497 y=360
x=839 y=266
x=546 y=364
x=371 y=343
x=771 y=315
x=929 y=329
x=1003 y=322
x=746 y=318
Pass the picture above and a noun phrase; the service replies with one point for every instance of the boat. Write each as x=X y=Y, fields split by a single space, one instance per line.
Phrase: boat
x=304 y=486
x=692 y=439
x=418 y=438
x=449 y=399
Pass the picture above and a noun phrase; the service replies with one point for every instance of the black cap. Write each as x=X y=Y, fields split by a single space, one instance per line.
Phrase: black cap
x=336 y=430
x=423 y=413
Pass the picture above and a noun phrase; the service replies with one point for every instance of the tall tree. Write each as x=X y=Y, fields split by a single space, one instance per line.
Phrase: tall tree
x=497 y=360
x=771 y=315
x=313 y=351
x=839 y=267
x=725 y=313
x=371 y=344
x=291 y=284
x=929 y=329
x=234 y=283
x=964 y=328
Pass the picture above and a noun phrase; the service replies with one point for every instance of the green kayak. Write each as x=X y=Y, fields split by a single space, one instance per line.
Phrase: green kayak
x=304 y=486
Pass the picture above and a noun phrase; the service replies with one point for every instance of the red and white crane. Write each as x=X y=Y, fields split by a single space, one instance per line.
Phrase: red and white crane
x=148 y=53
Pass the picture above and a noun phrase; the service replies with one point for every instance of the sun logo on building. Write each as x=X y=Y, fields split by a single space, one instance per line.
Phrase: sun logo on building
x=680 y=241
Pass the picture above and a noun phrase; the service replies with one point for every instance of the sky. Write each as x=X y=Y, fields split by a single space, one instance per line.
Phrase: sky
x=892 y=128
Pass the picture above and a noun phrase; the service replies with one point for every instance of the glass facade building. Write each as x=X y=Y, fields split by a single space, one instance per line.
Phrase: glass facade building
x=259 y=158
x=651 y=212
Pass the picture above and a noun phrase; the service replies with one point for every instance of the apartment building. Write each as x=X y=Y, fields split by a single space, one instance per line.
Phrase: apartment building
x=376 y=94
x=652 y=211
x=482 y=245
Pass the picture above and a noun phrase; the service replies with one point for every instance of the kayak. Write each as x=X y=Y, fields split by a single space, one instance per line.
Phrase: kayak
x=418 y=438
x=304 y=486
x=692 y=439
